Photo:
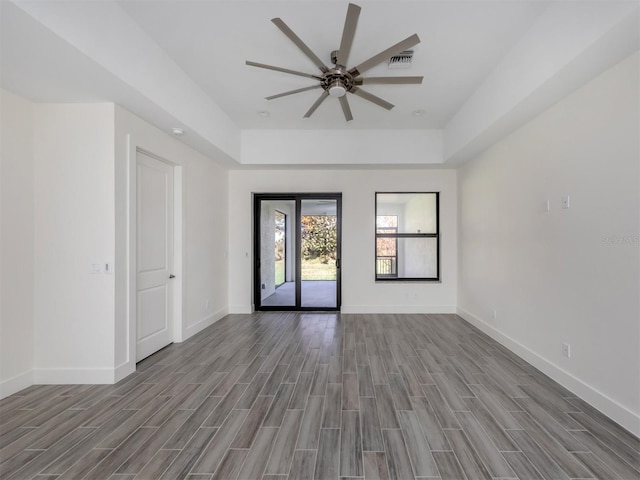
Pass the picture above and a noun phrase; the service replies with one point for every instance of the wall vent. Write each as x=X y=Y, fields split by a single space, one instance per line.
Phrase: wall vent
x=401 y=60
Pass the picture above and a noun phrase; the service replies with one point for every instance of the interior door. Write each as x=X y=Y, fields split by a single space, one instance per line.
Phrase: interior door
x=154 y=205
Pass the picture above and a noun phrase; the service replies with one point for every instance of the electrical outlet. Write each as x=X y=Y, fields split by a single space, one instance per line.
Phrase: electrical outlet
x=207 y=304
x=264 y=287
x=566 y=350
x=566 y=202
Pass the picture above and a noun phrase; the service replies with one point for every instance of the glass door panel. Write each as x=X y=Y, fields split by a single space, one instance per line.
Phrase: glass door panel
x=277 y=253
x=319 y=252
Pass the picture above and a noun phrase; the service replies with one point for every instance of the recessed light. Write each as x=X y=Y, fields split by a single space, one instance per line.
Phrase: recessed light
x=417 y=113
x=264 y=113
x=177 y=131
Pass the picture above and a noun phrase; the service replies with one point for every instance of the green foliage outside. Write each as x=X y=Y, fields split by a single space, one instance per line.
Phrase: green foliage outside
x=319 y=237
x=311 y=270
x=280 y=226
x=319 y=244
x=316 y=269
x=279 y=272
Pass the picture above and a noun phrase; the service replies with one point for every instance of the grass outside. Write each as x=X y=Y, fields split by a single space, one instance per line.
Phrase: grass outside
x=279 y=272
x=311 y=270
x=316 y=270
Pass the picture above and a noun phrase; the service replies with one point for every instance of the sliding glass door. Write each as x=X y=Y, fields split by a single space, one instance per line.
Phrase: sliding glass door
x=297 y=251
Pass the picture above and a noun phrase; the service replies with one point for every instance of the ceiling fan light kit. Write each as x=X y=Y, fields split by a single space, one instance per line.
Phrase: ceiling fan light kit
x=337 y=89
x=337 y=81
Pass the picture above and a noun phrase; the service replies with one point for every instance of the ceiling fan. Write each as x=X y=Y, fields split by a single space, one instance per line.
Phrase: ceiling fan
x=339 y=80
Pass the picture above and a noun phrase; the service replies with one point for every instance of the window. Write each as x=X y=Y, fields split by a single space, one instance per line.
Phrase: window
x=407 y=236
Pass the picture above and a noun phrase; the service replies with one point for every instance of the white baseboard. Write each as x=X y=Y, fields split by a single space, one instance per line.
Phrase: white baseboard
x=73 y=376
x=240 y=309
x=205 y=322
x=397 y=309
x=609 y=407
x=246 y=309
x=16 y=383
x=123 y=371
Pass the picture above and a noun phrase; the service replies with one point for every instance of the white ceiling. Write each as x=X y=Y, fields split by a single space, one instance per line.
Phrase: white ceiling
x=210 y=41
x=178 y=50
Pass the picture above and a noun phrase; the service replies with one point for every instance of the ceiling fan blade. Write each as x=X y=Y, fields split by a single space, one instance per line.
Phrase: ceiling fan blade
x=291 y=92
x=389 y=81
x=344 y=103
x=349 y=31
x=284 y=70
x=372 y=98
x=316 y=104
x=299 y=43
x=382 y=56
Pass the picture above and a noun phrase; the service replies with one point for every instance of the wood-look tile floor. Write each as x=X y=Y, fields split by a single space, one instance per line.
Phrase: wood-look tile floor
x=300 y=396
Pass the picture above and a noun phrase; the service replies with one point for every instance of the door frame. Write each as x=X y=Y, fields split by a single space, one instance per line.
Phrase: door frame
x=297 y=197
x=178 y=261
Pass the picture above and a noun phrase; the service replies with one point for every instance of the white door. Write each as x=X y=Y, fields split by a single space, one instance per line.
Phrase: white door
x=154 y=204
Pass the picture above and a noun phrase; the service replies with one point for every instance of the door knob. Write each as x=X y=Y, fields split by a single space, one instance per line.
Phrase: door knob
x=172 y=275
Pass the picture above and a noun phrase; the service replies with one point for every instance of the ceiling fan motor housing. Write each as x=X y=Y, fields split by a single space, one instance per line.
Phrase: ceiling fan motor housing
x=337 y=81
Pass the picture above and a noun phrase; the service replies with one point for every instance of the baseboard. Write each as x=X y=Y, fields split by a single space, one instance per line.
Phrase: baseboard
x=240 y=309
x=609 y=407
x=123 y=371
x=16 y=383
x=399 y=309
x=243 y=310
x=73 y=376
x=205 y=322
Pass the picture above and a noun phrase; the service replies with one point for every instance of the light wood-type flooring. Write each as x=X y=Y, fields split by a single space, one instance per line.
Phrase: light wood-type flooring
x=278 y=396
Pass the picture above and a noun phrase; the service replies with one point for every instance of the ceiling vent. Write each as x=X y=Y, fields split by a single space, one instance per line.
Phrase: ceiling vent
x=401 y=60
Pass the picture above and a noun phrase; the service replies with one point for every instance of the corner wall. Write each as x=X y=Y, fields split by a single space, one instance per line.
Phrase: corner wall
x=74 y=224
x=203 y=264
x=566 y=275
x=16 y=243
x=360 y=292
x=64 y=195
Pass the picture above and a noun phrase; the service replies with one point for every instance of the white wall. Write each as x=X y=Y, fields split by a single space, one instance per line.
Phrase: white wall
x=74 y=224
x=341 y=147
x=64 y=193
x=567 y=275
x=16 y=243
x=360 y=292
x=202 y=267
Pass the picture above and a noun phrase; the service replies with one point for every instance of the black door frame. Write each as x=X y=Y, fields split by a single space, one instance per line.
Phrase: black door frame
x=297 y=197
